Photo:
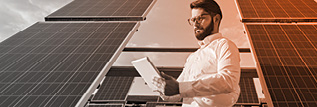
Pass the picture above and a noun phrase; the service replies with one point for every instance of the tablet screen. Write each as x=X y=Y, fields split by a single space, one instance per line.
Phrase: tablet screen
x=147 y=70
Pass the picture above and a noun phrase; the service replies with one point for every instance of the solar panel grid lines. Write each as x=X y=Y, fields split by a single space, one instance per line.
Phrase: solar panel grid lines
x=103 y=10
x=19 y=43
x=261 y=9
x=247 y=94
x=295 y=47
x=283 y=11
x=59 y=44
x=99 y=45
x=26 y=72
x=71 y=7
x=290 y=9
x=312 y=7
x=288 y=72
x=23 y=73
x=309 y=35
x=251 y=30
x=106 y=68
x=90 y=5
x=119 y=7
x=35 y=46
x=113 y=88
x=57 y=81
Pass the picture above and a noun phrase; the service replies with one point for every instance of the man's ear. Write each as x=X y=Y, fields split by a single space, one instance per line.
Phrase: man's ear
x=217 y=18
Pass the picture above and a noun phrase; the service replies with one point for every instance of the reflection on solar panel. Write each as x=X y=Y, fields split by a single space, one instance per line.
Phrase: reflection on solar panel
x=278 y=10
x=53 y=64
x=102 y=10
x=287 y=57
x=113 y=88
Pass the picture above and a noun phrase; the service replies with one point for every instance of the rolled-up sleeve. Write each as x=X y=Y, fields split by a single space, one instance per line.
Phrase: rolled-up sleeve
x=225 y=80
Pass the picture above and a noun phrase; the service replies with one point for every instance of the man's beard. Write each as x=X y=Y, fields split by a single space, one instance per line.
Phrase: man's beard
x=204 y=32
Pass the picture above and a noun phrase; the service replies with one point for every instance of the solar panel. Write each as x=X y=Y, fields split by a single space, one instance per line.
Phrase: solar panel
x=286 y=56
x=107 y=105
x=248 y=95
x=54 y=64
x=103 y=10
x=278 y=10
x=113 y=88
x=151 y=104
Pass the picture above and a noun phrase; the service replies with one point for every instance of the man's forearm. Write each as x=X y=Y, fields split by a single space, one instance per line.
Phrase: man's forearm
x=211 y=85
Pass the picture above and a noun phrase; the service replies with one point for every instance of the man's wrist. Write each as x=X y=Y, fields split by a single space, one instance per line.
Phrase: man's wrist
x=186 y=89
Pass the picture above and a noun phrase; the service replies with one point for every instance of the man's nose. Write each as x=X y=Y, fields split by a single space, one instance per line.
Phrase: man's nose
x=196 y=25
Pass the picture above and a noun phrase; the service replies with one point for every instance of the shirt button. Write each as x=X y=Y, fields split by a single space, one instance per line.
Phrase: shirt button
x=205 y=100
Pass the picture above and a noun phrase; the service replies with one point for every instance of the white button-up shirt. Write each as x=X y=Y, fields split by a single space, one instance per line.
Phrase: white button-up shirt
x=211 y=75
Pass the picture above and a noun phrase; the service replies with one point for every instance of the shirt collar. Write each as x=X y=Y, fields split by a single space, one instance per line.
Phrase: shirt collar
x=209 y=39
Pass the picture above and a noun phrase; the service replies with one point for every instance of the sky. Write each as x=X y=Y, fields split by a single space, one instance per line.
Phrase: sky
x=17 y=15
x=167 y=26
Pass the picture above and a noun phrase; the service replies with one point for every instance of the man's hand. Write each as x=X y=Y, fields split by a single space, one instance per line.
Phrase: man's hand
x=166 y=85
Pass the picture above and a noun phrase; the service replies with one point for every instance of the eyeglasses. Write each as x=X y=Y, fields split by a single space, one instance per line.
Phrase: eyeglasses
x=198 y=19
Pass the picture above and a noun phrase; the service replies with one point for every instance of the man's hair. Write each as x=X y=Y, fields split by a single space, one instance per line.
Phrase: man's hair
x=209 y=6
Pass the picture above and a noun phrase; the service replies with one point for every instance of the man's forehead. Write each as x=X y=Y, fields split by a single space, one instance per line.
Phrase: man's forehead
x=199 y=11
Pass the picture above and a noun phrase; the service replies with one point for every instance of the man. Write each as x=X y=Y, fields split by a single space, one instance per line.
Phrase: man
x=211 y=75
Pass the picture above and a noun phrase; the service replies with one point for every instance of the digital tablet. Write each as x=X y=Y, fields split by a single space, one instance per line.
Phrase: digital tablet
x=147 y=70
